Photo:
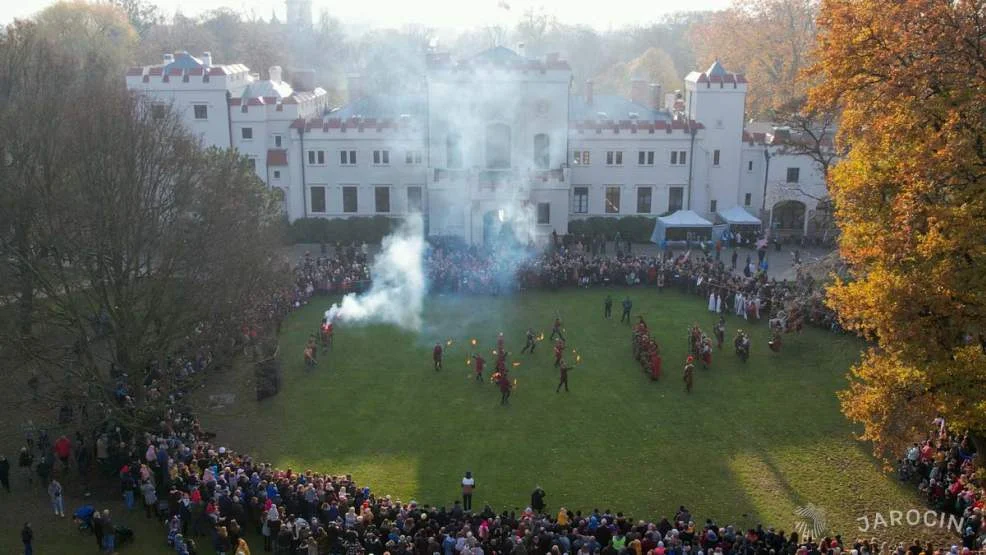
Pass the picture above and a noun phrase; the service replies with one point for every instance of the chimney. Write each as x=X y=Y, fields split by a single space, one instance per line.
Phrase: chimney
x=521 y=50
x=207 y=59
x=274 y=73
x=354 y=86
x=168 y=58
x=588 y=91
x=638 y=91
x=656 y=95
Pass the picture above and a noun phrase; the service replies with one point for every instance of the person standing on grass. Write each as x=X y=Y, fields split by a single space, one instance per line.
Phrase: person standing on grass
x=109 y=533
x=562 y=375
x=44 y=471
x=531 y=342
x=505 y=388
x=436 y=355
x=149 y=493
x=27 y=537
x=480 y=366
x=689 y=374
x=63 y=450
x=55 y=495
x=26 y=463
x=608 y=307
x=468 y=485
x=627 y=305
x=97 y=528
x=537 y=499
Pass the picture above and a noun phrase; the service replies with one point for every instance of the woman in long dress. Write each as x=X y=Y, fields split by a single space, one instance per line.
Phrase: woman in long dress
x=712 y=301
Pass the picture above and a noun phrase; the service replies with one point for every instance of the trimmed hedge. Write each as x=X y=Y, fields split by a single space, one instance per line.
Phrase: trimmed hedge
x=371 y=229
x=638 y=228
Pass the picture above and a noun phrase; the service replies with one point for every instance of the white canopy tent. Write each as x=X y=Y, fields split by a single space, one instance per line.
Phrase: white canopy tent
x=738 y=216
x=678 y=226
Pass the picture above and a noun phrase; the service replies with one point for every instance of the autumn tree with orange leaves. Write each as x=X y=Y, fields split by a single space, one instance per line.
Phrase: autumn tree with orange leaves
x=910 y=199
x=769 y=40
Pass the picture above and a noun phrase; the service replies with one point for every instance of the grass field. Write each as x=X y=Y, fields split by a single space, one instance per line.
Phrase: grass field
x=750 y=444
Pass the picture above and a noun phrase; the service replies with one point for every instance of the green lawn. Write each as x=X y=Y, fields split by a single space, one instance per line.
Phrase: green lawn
x=750 y=444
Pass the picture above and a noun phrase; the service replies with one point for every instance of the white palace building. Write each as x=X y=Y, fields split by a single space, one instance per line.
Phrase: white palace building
x=498 y=136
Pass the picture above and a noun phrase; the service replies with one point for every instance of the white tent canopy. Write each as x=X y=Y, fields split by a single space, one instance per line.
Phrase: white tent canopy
x=685 y=220
x=738 y=216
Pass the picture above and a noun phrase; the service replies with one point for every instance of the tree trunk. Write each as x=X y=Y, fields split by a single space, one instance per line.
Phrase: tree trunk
x=25 y=282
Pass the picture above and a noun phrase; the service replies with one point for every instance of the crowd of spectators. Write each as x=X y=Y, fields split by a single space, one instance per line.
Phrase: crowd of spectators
x=943 y=467
x=211 y=495
x=457 y=268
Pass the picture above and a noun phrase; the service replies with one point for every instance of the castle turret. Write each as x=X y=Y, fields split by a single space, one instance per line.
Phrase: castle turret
x=716 y=98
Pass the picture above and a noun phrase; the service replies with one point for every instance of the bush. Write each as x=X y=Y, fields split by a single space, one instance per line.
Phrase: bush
x=637 y=228
x=371 y=229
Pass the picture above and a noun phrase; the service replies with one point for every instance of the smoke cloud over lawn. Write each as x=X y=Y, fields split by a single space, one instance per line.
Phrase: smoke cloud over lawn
x=397 y=293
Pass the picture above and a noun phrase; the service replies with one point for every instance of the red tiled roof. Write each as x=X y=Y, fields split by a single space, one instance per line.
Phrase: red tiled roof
x=135 y=71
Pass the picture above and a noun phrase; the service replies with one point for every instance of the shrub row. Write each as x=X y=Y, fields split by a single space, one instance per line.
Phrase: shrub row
x=638 y=228
x=371 y=229
x=374 y=228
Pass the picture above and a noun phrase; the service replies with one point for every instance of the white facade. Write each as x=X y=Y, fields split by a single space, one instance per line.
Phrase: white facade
x=496 y=139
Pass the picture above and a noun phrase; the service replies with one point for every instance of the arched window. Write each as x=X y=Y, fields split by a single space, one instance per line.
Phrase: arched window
x=453 y=151
x=498 y=146
x=542 y=151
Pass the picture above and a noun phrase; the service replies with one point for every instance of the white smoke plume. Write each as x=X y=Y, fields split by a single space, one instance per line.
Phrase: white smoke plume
x=398 y=290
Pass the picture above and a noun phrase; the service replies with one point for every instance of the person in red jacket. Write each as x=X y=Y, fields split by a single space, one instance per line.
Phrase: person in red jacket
x=655 y=362
x=559 y=351
x=63 y=449
x=437 y=356
x=505 y=388
x=499 y=343
x=480 y=365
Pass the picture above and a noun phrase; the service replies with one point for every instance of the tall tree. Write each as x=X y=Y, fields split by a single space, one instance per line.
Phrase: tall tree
x=31 y=160
x=99 y=36
x=533 y=29
x=140 y=245
x=910 y=199
x=769 y=40
x=142 y=15
x=654 y=65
